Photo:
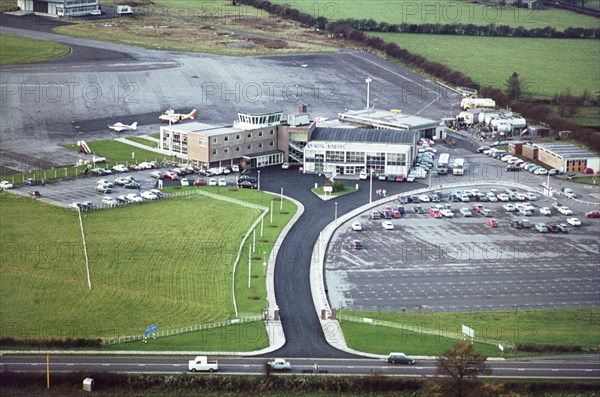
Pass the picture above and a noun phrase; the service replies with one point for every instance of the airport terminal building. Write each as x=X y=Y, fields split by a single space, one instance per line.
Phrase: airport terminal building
x=357 y=141
x=59 y=8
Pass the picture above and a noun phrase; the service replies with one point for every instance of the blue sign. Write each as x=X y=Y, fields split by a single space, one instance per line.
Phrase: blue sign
x=151 y=330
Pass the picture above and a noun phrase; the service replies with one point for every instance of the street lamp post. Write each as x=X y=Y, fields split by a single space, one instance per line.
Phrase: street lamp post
x=258 y=172
x=335 y=214
x=368 y=81
x=371 y=186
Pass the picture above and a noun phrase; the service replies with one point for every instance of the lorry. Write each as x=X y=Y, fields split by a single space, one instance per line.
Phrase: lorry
x=279 y=364
x=124 y=9
x=201 y=363
x=470 y=102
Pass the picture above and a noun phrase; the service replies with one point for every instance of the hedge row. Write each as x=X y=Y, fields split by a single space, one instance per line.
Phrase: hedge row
x=469 y=29
x=49 y=343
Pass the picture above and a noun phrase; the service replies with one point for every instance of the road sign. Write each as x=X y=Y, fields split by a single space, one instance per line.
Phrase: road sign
x=152 y=329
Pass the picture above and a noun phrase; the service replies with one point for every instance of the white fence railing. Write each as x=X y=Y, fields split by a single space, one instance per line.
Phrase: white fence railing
x=243 y=318
x=421 y=330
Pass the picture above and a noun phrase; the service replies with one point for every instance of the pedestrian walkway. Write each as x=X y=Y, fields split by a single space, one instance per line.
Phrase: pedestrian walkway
x=150 y=149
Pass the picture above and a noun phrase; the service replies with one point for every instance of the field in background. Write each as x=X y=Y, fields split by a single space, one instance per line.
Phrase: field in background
x=168 y=262
x=16 y=50
x=565 y=327
x=491 y=60
x=428 y=11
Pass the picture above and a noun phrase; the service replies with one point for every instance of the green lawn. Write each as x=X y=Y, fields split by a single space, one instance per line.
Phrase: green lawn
x=167 y=262
x=16 y=50
x=571 y=327
x=143 y=141
x=491 y=60
x=427 y=11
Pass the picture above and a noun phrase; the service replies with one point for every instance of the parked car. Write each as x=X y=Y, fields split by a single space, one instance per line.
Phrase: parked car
x=565 y=210
x=396 y=214
x=148 y=195
x=563 y=228
x=363 y=175
x=574 y=221
x=509 y=207
x=552 y=228
x=356 y=226
x=185 y=182
x=356 y=245
x=109 y=201
x=387 y=225
x=171 y=175
x=35 y=194
x=120 y=168
x=6 y=185
x=222 y=182
x=158 y=193
x=30 y=182
x=103 y=189
x=466 y=212
x=435 y=213
x=592 y=214
x=132 y=185
x=541 y=227
x=588 y=170
x=247 y=185
x=447 y=213
x=212 y=182
x=418 y=209
x=545 y=211
x=200 y=182
x=491 y=222
x=157 y=175
x=285 y=166
x=134 y=198
x=399 y=358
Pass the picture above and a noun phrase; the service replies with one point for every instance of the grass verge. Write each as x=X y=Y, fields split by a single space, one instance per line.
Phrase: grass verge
x=564 y=327
x=17 y=50
x=143 y=141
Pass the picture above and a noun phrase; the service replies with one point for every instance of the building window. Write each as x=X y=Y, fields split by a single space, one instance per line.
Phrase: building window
x=259 y=133
x=249 y=146
x=203 y=142
x=226 y=150
x=249 y=135
x=237 y=149
x=260 y=145
x=214 y=140
x=237 y=137
x=271 y=132
x=272 y=143
x=225 y=138
x=214 y=151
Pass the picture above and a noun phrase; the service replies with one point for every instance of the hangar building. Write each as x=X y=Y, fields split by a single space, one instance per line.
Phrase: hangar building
x=59 y=8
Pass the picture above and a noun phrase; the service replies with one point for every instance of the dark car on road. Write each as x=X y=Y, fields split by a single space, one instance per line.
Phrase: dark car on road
x=356 y=245
x=400 y=358
x=247 y=184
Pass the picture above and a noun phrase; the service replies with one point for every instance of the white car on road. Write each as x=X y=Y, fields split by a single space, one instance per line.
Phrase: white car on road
x=565 y=210
x=356 y=226
x=6 y=185
x=574 y=222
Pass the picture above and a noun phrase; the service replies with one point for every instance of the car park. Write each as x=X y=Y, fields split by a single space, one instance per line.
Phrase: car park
x=541 y=227
x=466 y=212
x=545 y=211
x=387 y=225
x=491 y=222
x=574 y=222
x=399 y=358
x=592 y=214
x=356 y=245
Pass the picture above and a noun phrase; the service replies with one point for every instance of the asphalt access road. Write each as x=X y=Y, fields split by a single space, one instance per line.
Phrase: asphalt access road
x=304 y=335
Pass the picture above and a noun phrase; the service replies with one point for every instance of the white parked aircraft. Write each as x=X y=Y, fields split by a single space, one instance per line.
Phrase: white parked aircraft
x=173 y=117
x=122 y=127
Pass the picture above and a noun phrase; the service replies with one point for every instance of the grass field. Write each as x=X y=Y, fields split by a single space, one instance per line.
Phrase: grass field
x=571 y=327
x=491 y=60
x=16 y=50
x=168 y=262
x=143 y=141
x=428 y=11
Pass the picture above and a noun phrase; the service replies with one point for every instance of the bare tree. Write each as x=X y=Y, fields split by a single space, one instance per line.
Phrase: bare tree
x=458 y=368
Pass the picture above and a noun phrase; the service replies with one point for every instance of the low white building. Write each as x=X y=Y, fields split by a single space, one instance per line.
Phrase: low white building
x=354 y=150
x=59 y=8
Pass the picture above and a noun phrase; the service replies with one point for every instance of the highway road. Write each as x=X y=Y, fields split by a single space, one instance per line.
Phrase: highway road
x=583 y=366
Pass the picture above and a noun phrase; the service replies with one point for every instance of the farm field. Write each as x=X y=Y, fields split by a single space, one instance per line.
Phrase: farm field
x=428 y=11
x=15 y=50
x=566 y=327
x=535 y=59
x=168 y=262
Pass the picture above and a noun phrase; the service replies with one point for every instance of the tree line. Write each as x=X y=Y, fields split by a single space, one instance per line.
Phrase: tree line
x=469 y=29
